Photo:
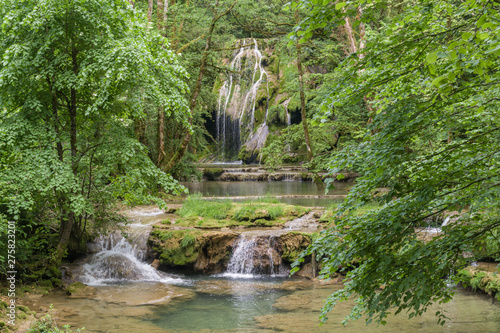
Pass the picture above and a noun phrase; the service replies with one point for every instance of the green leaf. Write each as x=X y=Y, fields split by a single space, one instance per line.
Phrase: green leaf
x=340 y=5
x=431 y=58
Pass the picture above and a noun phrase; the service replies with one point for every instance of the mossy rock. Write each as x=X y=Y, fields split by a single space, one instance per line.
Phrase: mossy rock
x=212 y=173
x=176 y=247
x=21 y=315
x=80 y=289
x=23 y=308
x=293 y=244
x=247 y=156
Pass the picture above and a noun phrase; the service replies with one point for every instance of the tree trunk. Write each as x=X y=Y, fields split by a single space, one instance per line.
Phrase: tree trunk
x=159 y=16
x=161 y=137
x=67 y=224
x=310 y=154
x=350 y=36
x=150 y=10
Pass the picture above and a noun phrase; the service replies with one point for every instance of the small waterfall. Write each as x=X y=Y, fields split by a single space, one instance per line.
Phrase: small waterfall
x=119 y=257
x=255 y=255
x=238 y=100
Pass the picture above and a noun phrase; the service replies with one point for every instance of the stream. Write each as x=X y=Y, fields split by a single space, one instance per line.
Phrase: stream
x=128 y=295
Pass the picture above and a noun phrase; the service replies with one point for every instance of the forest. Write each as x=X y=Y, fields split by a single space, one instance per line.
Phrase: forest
x=386 y=110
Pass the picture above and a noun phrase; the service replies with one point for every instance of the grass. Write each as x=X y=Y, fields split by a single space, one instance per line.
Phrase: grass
x=267 y=211
x=195 y=205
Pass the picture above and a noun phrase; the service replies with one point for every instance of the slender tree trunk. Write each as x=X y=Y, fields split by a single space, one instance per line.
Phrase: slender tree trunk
x=132 y=2
x=353 y=48
x=161 y=137
x=150 y=10
x=350 y=36
x=194 y=96
x=159 y=16
x=310 y=154
x=67 y=224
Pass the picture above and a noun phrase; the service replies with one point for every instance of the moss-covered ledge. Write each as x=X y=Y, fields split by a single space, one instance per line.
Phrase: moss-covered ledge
x=476 y=279
x=193 y=249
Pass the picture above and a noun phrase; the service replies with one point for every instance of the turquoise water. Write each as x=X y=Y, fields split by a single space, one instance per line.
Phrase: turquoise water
x=234 y=305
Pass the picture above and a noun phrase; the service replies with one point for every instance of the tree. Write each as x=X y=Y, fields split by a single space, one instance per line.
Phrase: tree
x=432 y=74
x=73 y=77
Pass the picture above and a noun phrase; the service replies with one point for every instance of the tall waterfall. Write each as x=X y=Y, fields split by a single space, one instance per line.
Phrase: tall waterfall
x=119 y=256
x=237 y=101
x=255 y=255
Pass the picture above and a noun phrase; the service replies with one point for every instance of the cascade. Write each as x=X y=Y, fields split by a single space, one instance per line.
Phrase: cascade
x=255 y=255
x=119 y=257
x=238 y=100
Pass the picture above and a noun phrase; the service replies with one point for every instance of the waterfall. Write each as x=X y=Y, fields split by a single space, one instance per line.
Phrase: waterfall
x=238 y=100
x=119 y=257
x=255 y=255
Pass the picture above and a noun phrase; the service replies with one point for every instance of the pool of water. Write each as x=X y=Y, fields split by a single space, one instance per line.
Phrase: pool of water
x=279 y=188
x=212 y=304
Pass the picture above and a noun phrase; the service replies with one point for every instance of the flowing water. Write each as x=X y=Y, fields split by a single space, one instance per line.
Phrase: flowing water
x=235 y=120
x=255 y=294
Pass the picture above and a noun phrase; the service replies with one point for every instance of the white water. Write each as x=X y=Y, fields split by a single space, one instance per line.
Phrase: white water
x=237 y=101
x=254 y=256
x=120 y=255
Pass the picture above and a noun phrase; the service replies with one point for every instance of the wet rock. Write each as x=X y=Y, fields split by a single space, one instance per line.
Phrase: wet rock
x=196 y=250
x=155 y=264
x=292 y=244
x=306 y=271
x=79 y=289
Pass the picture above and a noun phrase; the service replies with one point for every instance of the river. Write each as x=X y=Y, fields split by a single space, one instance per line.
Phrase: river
x=127 y=296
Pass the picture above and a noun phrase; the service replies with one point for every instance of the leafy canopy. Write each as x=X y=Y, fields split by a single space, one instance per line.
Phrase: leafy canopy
x=430 y=74
x=73 y=77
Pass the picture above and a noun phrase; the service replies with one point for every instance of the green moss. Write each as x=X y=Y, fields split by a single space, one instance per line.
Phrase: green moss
x=246 y=214
x=245 y=155
x=294 y=104
x=293 y=244
x=24 y=308
x=212 y=173
x=21 y=315
x=76 y=287
x=480 y=280
x=180 y=248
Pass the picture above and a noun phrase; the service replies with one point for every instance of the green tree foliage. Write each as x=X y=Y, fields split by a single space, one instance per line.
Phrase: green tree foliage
x=73 y=76
x=430 y=73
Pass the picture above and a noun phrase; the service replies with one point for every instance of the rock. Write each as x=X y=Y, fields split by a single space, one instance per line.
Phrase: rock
x=192 y=249
x=292 y=244
x=155 y=264
x=306 y=271
x=79 y=289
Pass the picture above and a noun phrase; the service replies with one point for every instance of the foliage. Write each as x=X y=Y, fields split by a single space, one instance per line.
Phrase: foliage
x=430 y=76
x=73 y=78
